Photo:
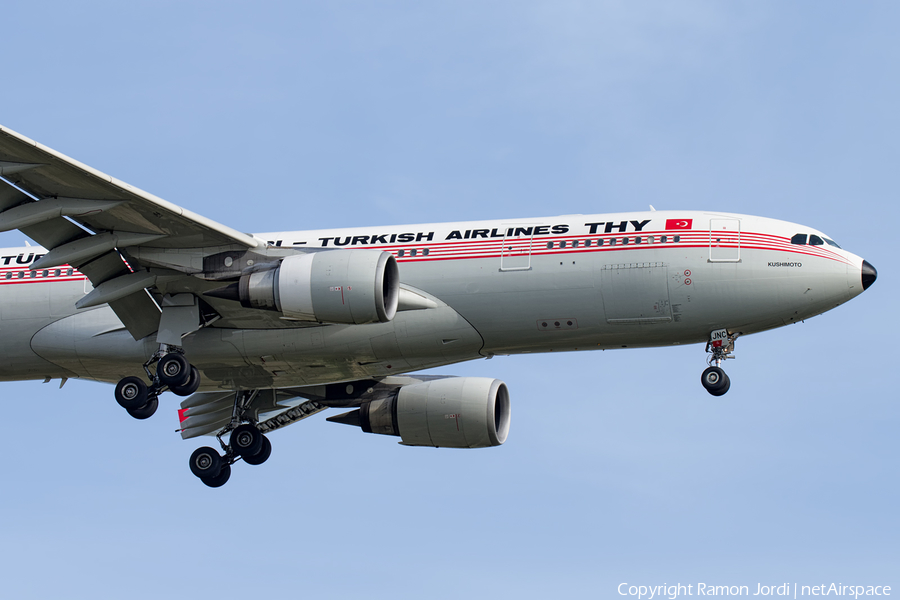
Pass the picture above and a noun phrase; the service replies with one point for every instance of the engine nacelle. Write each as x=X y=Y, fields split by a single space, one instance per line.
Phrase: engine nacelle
x=337 y=286
x=457 y=412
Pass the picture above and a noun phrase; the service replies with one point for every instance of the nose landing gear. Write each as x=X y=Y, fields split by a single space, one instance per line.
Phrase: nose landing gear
x=720 y=348
x=173 y=372
x=245 y=442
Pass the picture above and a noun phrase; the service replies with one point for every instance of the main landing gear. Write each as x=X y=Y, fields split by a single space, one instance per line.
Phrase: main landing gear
x=246 y=441
x=173 y=372
x=720 y=347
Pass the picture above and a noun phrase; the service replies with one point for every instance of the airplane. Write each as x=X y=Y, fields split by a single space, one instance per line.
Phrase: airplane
x=260 y=331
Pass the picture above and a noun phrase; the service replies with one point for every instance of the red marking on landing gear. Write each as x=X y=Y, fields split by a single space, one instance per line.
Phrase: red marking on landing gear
x=181 y=417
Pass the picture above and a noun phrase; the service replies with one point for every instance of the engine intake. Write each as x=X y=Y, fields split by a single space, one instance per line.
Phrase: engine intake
x=457 y=412
x=337 y=286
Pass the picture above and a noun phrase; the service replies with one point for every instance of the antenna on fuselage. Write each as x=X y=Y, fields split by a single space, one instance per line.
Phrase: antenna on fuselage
x=652 y=209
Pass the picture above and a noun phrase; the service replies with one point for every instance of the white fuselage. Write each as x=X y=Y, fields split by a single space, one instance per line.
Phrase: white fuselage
x=572 y=282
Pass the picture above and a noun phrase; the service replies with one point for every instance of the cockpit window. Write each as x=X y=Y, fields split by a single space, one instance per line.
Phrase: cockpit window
x=814 y=240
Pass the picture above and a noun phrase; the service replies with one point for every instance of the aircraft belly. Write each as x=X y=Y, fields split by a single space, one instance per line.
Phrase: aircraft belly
x=413 y=340
x=25 y=309
x=578 y=302
x=657 y=298
x=93 y=344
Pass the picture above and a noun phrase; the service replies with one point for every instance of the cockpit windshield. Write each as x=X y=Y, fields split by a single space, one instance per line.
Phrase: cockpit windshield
x=802 y=239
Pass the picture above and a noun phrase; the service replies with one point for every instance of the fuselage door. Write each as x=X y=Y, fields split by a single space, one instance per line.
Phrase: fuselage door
x=724 y=240
x=515 y=254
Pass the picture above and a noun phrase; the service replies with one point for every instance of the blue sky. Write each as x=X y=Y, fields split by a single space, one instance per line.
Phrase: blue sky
x=619 y=467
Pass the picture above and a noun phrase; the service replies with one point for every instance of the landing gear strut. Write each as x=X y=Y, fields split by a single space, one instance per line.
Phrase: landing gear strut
x=720 y=348
x=173 y=372
x=245 y=441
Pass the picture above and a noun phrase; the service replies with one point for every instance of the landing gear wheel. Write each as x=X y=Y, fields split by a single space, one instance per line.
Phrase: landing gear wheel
x=206 y=463
x=131 y=393
x=146 y=411
x=190 y=387
x=715 y=381
x=246 y=440
x=264 y=453
x=173 y=369
x=220 y=479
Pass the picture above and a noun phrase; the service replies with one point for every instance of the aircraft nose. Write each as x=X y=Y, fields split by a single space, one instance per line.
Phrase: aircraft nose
x=869 y=274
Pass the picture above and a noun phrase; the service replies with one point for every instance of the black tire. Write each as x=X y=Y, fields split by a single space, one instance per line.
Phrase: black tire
x=726 y=385
x=131 y=393
x=206 y=463
x=262 y=456
x=190 y=387
x=715 y=381
x=246 y=440
x=220 y=479
x=173 y=369
x=146 y=411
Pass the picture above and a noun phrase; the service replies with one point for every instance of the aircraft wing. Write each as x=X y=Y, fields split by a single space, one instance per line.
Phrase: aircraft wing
x=83 y=217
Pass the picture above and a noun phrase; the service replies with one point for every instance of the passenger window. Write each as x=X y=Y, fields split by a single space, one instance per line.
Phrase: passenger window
x=650 y=239
x=70 y=272
x=562 y=244
x=599 y=242
x=637 y=240
x=412 y=252
x=575 y=244
x=549 y=244
x=21 y=274
x=624 y=241
x=815 y=240
x=799 y=239
x=676 y=238
x=612 y=241
x=401 y=252
x=663 y=239
x=9 y=275
x=56 y=273
x=425 y=252
x=34 y=274
x=46 y=274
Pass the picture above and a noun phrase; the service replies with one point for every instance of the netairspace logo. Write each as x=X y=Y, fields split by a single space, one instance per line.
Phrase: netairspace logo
x=786 y=590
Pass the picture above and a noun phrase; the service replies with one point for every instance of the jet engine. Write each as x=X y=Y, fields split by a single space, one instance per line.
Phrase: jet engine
x=337 y=286
x=456 y=412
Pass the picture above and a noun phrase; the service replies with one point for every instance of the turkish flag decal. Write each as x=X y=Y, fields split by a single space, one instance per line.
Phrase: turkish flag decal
x=679 y=223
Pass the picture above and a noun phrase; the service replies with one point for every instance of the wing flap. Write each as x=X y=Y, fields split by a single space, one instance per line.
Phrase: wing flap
x=138 y=312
